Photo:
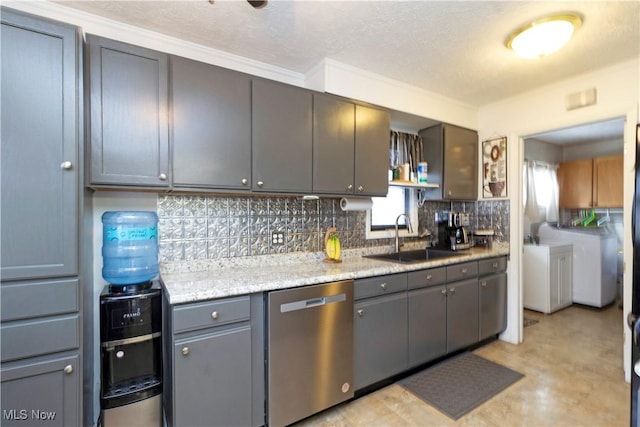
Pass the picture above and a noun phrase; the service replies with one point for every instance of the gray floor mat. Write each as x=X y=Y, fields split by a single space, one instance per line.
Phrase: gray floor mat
x=457 y=385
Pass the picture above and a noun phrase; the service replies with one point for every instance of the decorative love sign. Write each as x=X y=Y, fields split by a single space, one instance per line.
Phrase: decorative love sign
x=494 y=164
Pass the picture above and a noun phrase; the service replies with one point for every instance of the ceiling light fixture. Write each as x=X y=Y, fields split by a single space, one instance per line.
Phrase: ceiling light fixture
x=543 y=36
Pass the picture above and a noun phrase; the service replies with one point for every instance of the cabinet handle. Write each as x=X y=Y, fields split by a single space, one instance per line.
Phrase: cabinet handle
x=68 y=369
x=443 y=291
x=429 y=277
x=214 y=315
x=463 y=271
x=483 y=284
x=350 y=187
x=494 y=265
x=244 y=181
x=360 y=188
x=260 y=184
x=163 y=177
x=185 y=351
x=66 y=165
x=449 y=193
x=360 y=312
x=383 y=286
x=452 y=290
x=120 y=354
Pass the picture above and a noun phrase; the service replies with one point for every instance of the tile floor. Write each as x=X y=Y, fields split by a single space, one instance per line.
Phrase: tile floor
x=572 y=362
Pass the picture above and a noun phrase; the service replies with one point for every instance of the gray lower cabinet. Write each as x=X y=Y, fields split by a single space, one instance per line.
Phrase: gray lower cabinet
x=40 y=290
x=45 y=392
x=379 y=328
x=462 y=314
x=452 y=154
x=128 y=102
x=211 y=126
x=493 y=297
x=427 y=324
x=372 y=151
x=281 y=138
x=214 y=363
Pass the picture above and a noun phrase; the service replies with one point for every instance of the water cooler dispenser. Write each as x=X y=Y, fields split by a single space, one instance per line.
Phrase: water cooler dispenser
x=130 y=322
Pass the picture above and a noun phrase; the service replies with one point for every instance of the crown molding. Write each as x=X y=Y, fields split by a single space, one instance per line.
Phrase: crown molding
x=94 y=24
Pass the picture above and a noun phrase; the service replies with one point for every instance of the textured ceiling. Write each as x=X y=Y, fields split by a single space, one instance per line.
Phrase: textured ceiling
x=454 y=48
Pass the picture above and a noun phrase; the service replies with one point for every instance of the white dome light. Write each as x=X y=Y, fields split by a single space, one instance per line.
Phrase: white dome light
x=543 y=36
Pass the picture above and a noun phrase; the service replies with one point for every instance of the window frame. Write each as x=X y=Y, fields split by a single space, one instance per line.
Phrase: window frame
x=389 y=232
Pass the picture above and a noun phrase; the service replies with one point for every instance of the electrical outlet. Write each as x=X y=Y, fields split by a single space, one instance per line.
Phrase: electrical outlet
x=277 y=238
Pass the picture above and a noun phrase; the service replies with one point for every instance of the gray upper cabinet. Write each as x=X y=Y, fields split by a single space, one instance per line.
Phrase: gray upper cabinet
x=333 y=145
x=452 y=154
x=211 y=126
x=129 y=137
x=372 y=151
x=40 y=169
x=282 y=138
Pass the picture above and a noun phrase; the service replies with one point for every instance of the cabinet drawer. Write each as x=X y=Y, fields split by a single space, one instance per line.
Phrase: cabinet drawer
x=380 y=285
x=48 y=298
x=424 y=278
x=462 y=271
x=33 y=338
x=211 y=313
x=492 y=265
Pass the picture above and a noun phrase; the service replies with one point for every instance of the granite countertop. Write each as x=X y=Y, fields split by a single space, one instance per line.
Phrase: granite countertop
x=192 y=281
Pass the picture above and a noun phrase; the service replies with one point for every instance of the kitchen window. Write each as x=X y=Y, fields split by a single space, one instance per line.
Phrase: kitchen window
x=381 y=218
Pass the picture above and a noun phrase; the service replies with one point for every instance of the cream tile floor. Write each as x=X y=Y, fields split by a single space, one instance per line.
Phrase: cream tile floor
x=573 y=367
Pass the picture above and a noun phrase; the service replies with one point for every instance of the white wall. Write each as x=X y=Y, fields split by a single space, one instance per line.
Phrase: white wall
x=542 y=151
x=543 y=110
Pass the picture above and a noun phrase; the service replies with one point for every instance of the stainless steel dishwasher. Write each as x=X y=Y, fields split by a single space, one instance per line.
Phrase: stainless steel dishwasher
x=309 y=350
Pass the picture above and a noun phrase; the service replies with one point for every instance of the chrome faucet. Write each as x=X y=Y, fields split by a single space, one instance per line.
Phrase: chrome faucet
x=397 y=243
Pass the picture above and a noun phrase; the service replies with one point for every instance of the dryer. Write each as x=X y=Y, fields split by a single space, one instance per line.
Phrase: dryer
x=594 y=262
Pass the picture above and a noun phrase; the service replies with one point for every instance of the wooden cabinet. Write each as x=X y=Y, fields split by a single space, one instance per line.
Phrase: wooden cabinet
x=350 y=148
x=547 y=277
x=214 y=359
x=379 y=329
x=281 y=138
x=40 y=292
x=129 y=133
x=608 y=181
x=590 y=183
x=211 y=126
x=452 y=155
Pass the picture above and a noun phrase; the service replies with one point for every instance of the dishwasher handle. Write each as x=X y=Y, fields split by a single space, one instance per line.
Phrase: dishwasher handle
x=311 y=302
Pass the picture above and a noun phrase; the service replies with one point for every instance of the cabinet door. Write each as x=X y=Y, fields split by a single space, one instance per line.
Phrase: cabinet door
x=427 y=324
x=460 y=180
x=380 y=337
x=608 y=181
x=39 y=155
x=211 y=127
x=493 y=305
x=462 y=314
x=282 y=138
x=372 y=151
x=45 y=393
x=129 y=130
x=212 y=379
x=333 y=145
x=575 y=184
x=565 y=279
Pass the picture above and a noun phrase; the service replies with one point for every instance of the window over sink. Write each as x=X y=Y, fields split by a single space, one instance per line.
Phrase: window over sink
x=381 y=218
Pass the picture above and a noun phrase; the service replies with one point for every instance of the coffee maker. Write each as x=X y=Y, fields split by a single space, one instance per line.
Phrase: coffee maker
x=452 y=234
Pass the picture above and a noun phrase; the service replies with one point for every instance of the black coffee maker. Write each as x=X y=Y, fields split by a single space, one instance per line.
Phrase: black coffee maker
x=452 y=234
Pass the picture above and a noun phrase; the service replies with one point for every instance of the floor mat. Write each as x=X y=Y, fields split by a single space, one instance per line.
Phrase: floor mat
x=529 y=322
x=457 y=385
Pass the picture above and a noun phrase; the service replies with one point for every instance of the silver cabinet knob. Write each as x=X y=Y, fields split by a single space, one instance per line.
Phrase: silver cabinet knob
x=449 y=193
x=66 y=165
x=494 y=265
x=636 y=368
x=120 y=354
x=443 y=291
x=383 y=286
x=260 y=184
x=483 y=284
x=350 y=187
x=452 y=290
x=360 y=188
x=185 y=351
x=429 y=277
x=360 y=312
x=162 y=176
x=244 y=181
x=464 y=271
x=214 y=315
x=68 y=369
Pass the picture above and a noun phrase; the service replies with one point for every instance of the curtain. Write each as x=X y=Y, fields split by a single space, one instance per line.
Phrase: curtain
x=540 y=182
x=405 y=148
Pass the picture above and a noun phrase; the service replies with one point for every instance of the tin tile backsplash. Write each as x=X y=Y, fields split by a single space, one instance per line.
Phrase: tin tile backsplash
x=194 y=227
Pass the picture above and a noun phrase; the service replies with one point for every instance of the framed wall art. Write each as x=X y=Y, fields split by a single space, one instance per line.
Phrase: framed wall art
x=494 y=168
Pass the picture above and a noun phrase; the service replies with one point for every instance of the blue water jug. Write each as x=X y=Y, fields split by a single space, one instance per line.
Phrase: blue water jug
x=129 y=247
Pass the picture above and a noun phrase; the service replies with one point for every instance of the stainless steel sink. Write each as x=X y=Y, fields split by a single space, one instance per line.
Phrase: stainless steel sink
x=415 y=256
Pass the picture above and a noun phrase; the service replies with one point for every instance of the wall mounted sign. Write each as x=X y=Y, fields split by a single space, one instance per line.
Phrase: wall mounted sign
x=494 y=165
